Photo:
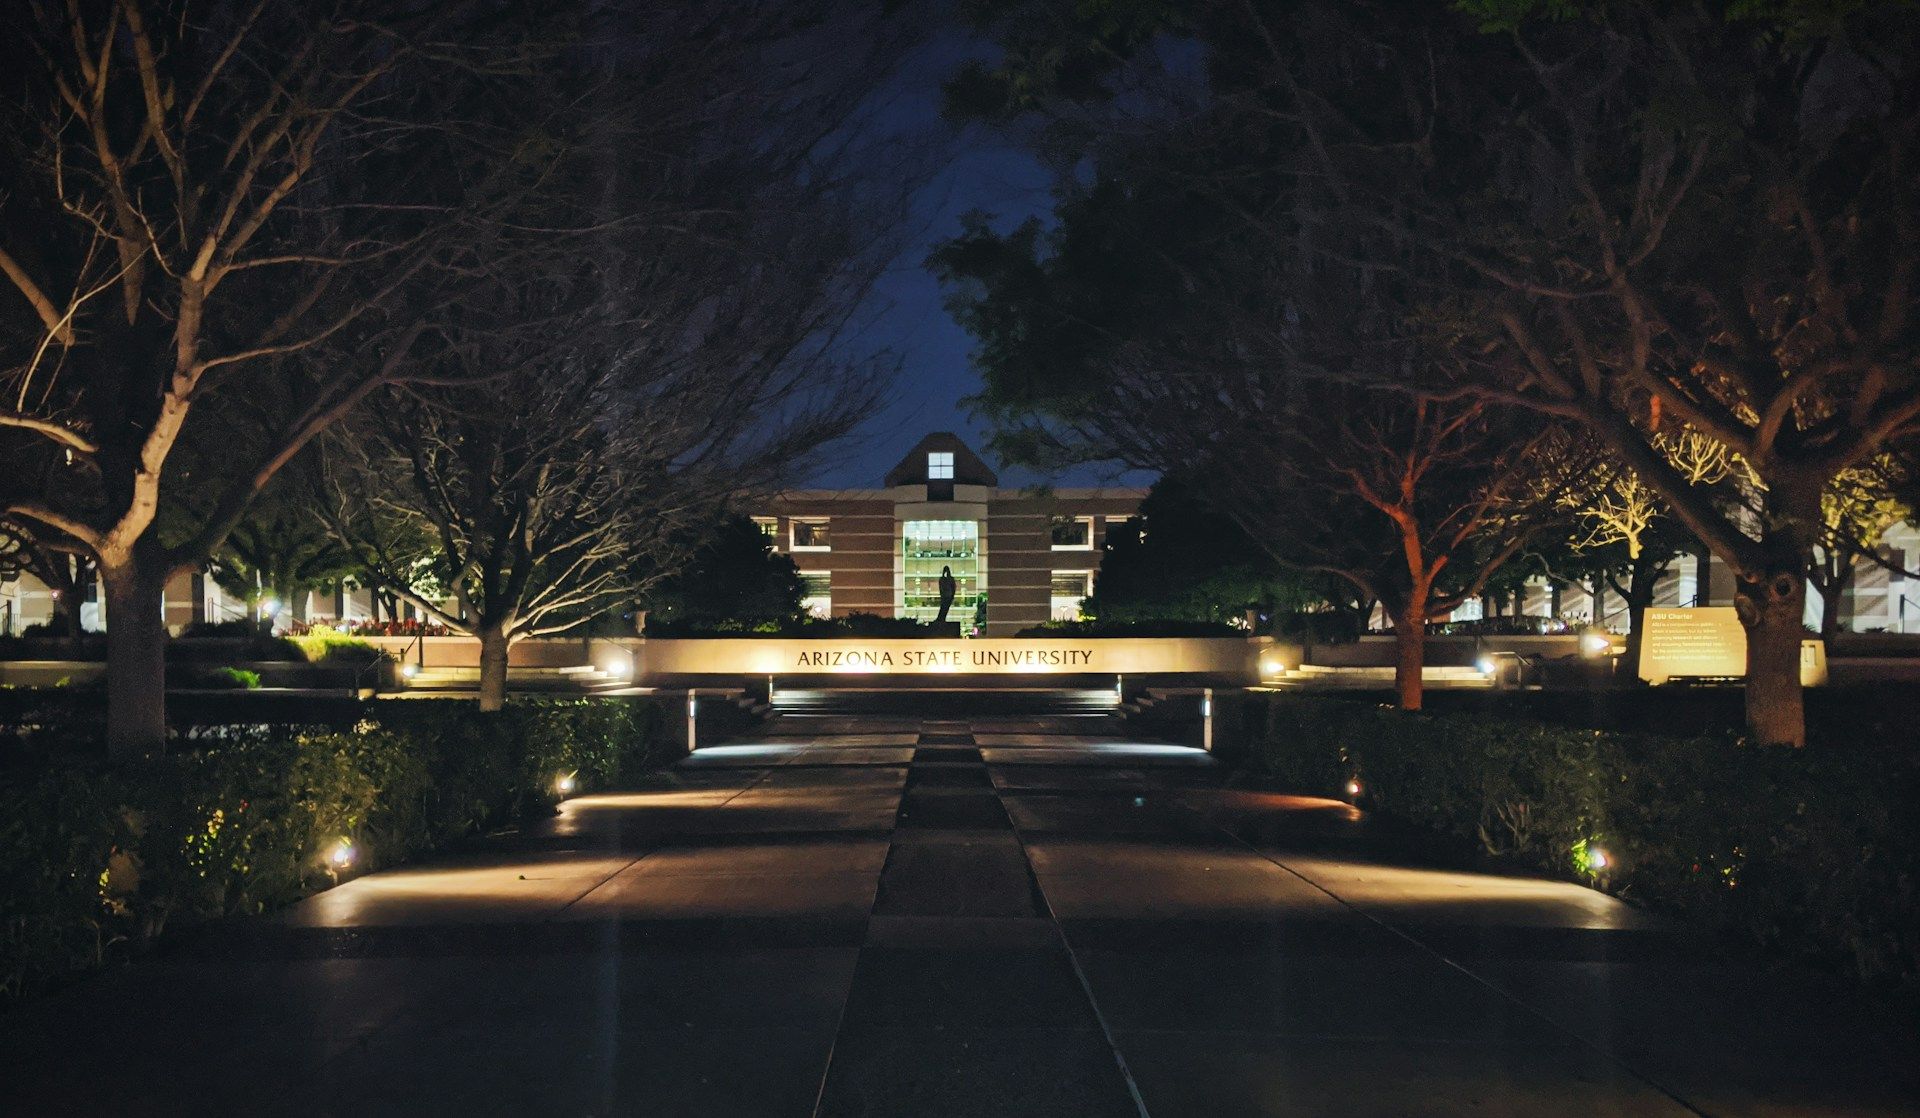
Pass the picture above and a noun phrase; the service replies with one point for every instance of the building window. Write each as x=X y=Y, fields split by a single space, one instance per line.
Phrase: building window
x=810 y=534
x=928 y=546
x=769 y=527
x=1073 y=533
x=1070 y=590
x=940 y=465
x=817 y=599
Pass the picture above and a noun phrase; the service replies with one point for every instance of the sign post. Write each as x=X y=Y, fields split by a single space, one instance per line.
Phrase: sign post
x=693 y=719
x=1206 y=719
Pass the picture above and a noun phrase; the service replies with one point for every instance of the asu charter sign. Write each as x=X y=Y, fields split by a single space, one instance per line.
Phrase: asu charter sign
x=1211 y=656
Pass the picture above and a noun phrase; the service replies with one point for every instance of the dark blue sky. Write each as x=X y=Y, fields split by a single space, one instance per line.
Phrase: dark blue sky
x=908 y=316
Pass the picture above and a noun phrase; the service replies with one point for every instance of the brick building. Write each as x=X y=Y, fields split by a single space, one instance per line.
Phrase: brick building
x=1018 y=557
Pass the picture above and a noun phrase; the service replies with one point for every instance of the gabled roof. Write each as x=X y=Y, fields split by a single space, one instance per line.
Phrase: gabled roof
x=968 y=468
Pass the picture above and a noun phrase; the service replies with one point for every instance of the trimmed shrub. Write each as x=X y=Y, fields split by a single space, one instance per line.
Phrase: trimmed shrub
x=330 y=646
x=1814 y=851
x=97 y=859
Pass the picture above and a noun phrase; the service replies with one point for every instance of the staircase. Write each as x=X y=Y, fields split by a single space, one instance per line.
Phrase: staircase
x=1324 y=677
x=575 y=678
x=946 y=701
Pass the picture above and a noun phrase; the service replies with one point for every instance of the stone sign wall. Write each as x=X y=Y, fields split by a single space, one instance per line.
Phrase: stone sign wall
x=1213 y=656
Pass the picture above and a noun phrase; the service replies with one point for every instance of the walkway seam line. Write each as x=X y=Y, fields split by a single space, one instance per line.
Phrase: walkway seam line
x=1073 y=959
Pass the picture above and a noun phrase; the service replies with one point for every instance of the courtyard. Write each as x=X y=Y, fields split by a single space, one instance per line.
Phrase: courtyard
x=1033 y=913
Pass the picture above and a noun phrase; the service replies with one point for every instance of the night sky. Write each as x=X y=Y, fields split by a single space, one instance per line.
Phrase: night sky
x=985 y=173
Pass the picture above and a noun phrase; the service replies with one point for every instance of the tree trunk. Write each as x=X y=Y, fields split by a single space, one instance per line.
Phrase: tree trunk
x=1772 y=609
x=1641 y=581
x=493 y=668
x=72 y=600
x=1833 y=593
x=136 y=657
x=1410 y=642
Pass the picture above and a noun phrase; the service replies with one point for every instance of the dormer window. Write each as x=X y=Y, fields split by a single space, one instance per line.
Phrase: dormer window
x=940 y=465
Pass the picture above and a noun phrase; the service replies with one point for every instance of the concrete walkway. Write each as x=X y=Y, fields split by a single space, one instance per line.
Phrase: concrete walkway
x=990 y=917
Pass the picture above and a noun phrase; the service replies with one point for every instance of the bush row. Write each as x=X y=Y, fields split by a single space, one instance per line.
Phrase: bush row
x=96 y=859
x=1815 y=851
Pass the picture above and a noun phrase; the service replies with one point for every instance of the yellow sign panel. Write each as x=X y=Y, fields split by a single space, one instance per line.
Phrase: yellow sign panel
x=1231 y=656
x=1709 y=641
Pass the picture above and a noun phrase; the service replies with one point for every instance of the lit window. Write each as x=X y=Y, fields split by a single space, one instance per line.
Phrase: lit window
x=811 y=534
x=930 y=547
x=817 y=599
x=1070 y=589
x=940 y=465
x=769 y=527
x=1073 y=533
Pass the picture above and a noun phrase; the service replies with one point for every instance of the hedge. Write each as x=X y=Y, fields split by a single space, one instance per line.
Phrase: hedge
x=96 y=859
x=1814 y=851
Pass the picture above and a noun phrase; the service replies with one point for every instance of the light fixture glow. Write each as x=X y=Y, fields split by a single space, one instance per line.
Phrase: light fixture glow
x=270 y=607
x=1353 y=788
x=565 y=783
x=1595 y=644
x=409 y=670
x=341 y=856
x=1486 y=665
x=1596 y=858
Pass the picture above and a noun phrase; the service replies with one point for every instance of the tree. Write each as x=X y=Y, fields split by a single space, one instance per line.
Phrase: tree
x=1670 y=215
x=1859 y=507
x=59 y=568
x=668 y=328
x=733 y=578
x=282 y=549
x=1172 y=321
x=1182 y=560
x=1328 y=430
x=1736 y=252
x=1627 y=531
x=193 y=192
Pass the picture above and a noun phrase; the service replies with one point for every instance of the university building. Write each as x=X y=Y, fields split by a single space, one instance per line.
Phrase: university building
x=1018 y=557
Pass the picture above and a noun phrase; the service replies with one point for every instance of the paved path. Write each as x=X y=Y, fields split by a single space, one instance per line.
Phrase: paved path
x=919 y=918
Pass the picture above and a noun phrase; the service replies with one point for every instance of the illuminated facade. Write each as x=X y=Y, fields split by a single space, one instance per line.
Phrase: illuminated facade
x=1018 y=557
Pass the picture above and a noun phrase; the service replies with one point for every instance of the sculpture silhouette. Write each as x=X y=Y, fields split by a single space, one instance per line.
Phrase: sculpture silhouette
x=947 y=587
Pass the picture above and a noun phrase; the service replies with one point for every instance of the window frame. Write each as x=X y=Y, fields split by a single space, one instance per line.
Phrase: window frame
x=793 y=533
x=1055 y=523
x=938 y=460
x=809 y=581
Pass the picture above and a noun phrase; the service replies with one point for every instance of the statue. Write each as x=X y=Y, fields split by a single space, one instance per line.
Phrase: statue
x=947 y=587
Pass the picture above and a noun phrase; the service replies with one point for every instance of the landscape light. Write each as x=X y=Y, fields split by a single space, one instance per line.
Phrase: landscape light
x=565 y=784
x=1353 y=788
x=270 y=607
x=342 y=854
x=409 y=670
x=1595 y=644
x=1486 y=665
x=1596 y=858
x=618 y=669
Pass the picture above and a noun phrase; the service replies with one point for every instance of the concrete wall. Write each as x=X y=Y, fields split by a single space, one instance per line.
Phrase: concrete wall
x=1378 y=650
x=1214 y=657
